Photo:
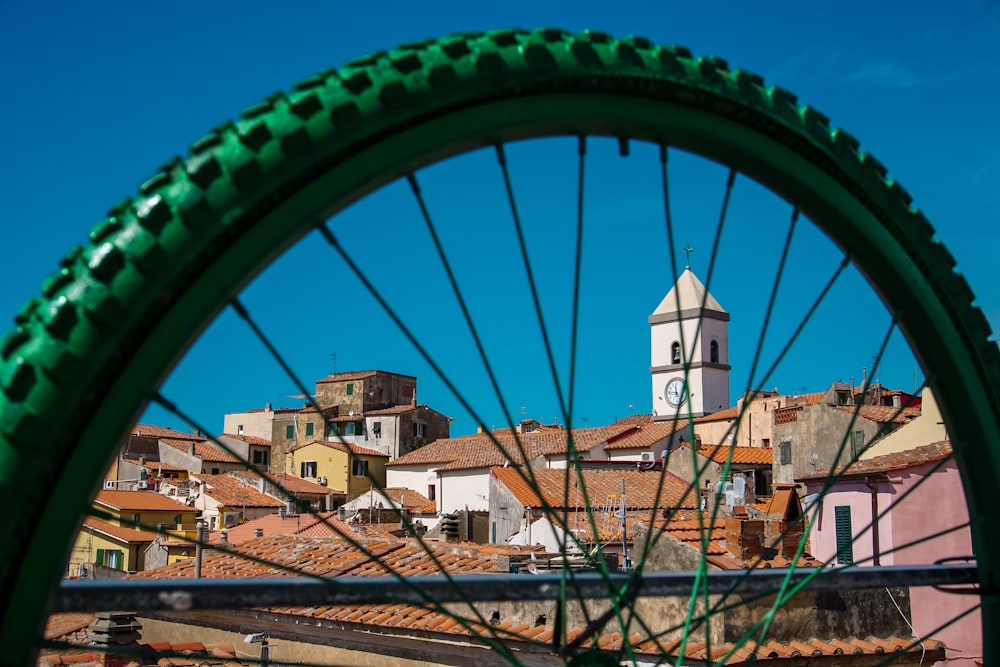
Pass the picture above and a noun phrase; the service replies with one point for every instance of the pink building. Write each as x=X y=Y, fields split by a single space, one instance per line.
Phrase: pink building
x=915 y=493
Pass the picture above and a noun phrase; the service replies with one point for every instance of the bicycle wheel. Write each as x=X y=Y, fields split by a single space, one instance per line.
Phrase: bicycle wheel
x=121 y=311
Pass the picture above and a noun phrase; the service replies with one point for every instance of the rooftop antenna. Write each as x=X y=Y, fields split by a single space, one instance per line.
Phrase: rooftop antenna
x=687 y=256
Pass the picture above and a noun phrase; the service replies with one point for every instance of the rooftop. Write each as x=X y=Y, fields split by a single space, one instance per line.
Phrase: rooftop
x=138 y=501
x=646 y=435
x=744 y=455
x=204 y=451
x=231 y=492
x=909 y=458
x=603 y=487
x=480 y=450
x=150 y=431
x=342 y=447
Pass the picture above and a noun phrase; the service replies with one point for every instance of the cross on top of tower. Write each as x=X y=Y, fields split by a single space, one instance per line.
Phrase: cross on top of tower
x=687 y=257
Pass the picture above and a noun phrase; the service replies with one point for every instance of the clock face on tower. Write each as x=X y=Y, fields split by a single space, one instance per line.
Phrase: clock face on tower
x=676 y=392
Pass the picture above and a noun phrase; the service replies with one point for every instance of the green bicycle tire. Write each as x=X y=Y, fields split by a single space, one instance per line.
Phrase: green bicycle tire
x=77 y=368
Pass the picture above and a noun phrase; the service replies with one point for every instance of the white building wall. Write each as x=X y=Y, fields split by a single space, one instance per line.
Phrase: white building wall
x=417 y=478
x=464 y=488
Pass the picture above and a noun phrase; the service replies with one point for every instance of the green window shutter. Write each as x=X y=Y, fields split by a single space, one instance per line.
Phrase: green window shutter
x=290 y=431
x=350 y=389
x=845 y=536
x=309 y=429
x=99 y=558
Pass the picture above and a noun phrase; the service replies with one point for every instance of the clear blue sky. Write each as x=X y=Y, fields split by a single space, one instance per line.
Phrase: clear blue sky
x=97 y=95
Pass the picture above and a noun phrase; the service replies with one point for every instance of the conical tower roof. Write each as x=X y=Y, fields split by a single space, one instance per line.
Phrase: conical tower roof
x=691 y=294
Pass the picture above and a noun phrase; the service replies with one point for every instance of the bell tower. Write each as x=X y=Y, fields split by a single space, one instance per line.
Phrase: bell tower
x=678 y=343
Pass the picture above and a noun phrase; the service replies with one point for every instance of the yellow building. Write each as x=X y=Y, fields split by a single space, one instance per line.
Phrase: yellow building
x=128 y=525
x=346 y=468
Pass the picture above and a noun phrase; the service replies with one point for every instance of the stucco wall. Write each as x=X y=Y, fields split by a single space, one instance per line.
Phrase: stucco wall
x=459 y=489
x=816 y=438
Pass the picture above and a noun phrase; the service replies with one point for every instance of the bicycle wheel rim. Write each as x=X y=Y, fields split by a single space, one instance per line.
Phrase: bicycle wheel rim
x=843 y=193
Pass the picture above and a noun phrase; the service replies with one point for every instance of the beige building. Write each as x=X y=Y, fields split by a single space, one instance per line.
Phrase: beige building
x=120 y=541
x=337 y=465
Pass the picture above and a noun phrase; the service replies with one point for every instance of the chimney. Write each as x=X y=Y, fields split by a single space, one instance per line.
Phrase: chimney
x=268 y=408
x=745 y=537
x=224 y=536
x=110 y=630
x=258 y=532
x=191 y=448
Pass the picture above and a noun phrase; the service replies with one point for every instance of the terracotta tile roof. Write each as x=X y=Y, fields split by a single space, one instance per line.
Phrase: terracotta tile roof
x=294 y=485
x=150 y=431
x=721 y=415
x=159 y=465
x=341 y=447
x=480 y=451
x=323 y=524
x=688 y=528
x=120 y=533
x=804 y=399
x=60 y=625
x=250 y=439
x=204 y=451
x=882 y=414
x=636 y=420
x=410 y=499
x=231 y=492
x=601 y=485
x=329 y=557
x=909 y=458
x=747 y=455
x=187 y=654
x=393 y=410
x=138 y=501
x=644 y=436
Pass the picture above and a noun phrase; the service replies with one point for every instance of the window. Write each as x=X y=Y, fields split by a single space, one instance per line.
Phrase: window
x=307 y=469
x=333 y=430
x=377 y=429
x=290 y=431
x=260 y=457
x=714 y=352
x=785 y=452
x=309 y=430
x=359 y=468
x=239 y=430
x=431 y=492
x=215 y=471
x=842 y=397
x=350 y=389
x=408 y=392
x=845 y=543
x=858 y=444
x=675 y=353
x=349 y=428
x=765 y=443
x=419 y=430
x=762 y=483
